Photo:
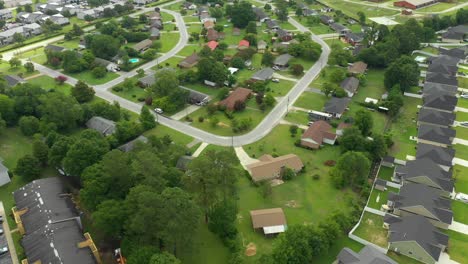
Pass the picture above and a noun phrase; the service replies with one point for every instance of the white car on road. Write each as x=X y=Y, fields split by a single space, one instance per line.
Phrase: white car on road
x=158 y=111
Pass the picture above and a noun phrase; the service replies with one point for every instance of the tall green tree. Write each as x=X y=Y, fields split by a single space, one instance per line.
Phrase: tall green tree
x=241 y=14
x=82 y=92
x=147 y=119
x=40 y=151
x=110 y=217
x=364 y=122
x=59 y=109
x=28 y=167
x=164 y=258
x=404 y=72
x=351 y=170
x=268 y=58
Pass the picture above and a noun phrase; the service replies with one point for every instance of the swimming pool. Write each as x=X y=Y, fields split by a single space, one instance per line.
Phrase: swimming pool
x=134 y=60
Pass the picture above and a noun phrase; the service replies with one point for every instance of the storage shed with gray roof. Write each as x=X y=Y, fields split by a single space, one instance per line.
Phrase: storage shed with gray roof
x=102 y=125
x=4 y=176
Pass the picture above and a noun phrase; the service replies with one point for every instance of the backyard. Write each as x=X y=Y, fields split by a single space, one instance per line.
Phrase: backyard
x=378 y=198
x=460 y=175
x=386 y=173
x=458 y=243
x=371 y=229
x=311 y=101
x=48 y=83
x=403 y=127
x=460 y=212
x=176 y=136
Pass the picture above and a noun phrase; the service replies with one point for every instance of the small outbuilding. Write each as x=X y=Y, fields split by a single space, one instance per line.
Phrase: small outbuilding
x=380 y=184
x=269 y=221
x=388 y=161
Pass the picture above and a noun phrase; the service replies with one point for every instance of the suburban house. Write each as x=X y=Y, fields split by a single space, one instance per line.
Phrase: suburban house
x=282 y=61
x=326 y=19
x=238 y=95
x=129 y=146
x=261 y=46
x=54 y=48
x=212 y=45
x=336 y=106
x=439 y=155
x=284 y=35
x=445 y=60
x=414 y=4
x=429 y=116
x=341 y=127
x=50 y=222
x=455 y=34
x=437 y=136
x=269 y=168
x=212 y=35
x=318 y=133
x=243 y=44
x=208 y=24
x=439 y=102
x=388 y=161
x=419 y=199
x=263 y=74
x=368 y=255
x=270 y=221
x=183 y=162
x=443 y=69
x=340 y=29
x=272 y=25
x=4 y=175
x=196 y=97
x=147 y=81
x=189 y=61
x=354 y=39
x=437 y=77
x=309 y=12
x=260 y=14
x=359 y=67
x=236 y=31
x=425 y=171
x=13 y=80
x=350 y=85
x=143 y=45
x=6 y=14
x=415 y=237
x=102 y=125
x=155 y=33
x=108 y=65
x=28 y=30
x=460 y=53
x=439 y=89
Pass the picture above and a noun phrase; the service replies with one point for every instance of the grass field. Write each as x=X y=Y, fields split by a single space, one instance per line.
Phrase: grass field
x=177 y=137
x=88 y=77
x=48 y=83
x=461 y=116
x=352 y=9
x=462 y=102
x=460 y=212
x=386 y=173
x=462 y=132
x=458 y=243
x=168 y=41
x=312 y=101
x=297 y=117
x=461 y=151
x=436 y=8
x=189 y=50
x=460 y=175
x=371 y=229
x=404 y=127
x=377 y=198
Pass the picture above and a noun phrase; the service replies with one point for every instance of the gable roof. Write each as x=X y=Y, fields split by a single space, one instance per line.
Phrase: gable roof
x=425 y=167
x=418 y=229
x=368 y=255
x=436 y=117
x=439 y=155
x=54 y=48
x=144 y=44
x=437 y=77
x=212 y=34
x=148 y=80
x=436 y=134
x=460 y=53
x=129 y=146
x=336 y=105
x=445 y=60
x=102 y=125
x=12 y=80
x=212 y=44
x=239 y=94
x=444 y=69
x=268 y=167
x=439 y=89
x=350 y=84
x=282 y=59
x=319 y=131
x=358 y=67
x=272 y=24
x=244 y=43
x=263 y=74
x=442 y=102
x=414 y=194
x=190 y=60
x=267 y=217
x=283 y=33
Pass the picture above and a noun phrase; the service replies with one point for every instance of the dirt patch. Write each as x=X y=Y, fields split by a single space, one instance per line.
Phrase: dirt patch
x=276 y=182
x=251 y=250
x=292 y=204
x=370 y=222
x=221 y=124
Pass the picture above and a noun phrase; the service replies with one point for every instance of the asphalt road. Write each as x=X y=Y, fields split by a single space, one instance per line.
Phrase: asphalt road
x=268 y=123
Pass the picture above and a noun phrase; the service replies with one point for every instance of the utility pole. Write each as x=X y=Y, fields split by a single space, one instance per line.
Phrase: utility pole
x=232 y=141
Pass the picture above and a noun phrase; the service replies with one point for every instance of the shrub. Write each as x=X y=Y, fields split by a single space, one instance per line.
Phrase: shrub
x=61 y=79
x=141 y=99
x=316 y=177
x=117 y=89
x=201 y=119
x=329 y=163
x=99 y=72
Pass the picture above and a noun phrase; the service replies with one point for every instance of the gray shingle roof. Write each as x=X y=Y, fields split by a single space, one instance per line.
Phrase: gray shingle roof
x=439 y=89
x=131 y=144
x=350 y=84
x=442 y=102
x=13 y=80
x=419 y=229
x=445 y=60
x=367 y=255
x=412 y=195
x=148 y=80
x=272 y=24
x=439 y=155
x=459 y=53
x=263 y=74
x=436 y=117
x=444 y=69
x=424 y=167
x=282 y=59
x=436 y=134
x=102 y=125
x=437 y=77
x=336 y=105
x=4 y=176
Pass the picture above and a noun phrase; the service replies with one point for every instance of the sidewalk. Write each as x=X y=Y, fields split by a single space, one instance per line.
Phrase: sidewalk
x=200 y=149
x=7 y=234
x=243 y=157
x=459 y=227
x=185 y=112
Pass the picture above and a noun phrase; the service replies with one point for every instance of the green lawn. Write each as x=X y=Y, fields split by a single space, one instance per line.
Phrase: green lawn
x=295 y=196
x=224 y=127
x=177 y=137
x=297 y=117
x=312 y=101
x=334 y=250
x=379 y=119
x=402 y=258
x=48 y=83
x=461 y=151
x=404 y=127
x=382 y=197
x=320 y=29
x=460 y=175
x=281 y=88
x=374 y=87
x=168 y=41
x=436 y=8
x=463 y=83
x=19 y=248
x=460 y=212
x=36 y=55
x=352 y=9
x=461 y=116
x=213 y=92
x=462 y=102
x=88 y=77
x=188 y=19
x=20 y=71
x=189 y=50
x=386 y=173
x=371 y=229
x=462 y=132
x=458 y=243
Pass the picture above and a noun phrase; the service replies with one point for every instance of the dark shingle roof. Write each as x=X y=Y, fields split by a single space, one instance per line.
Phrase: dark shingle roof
x=13 y=80
x=425 y=167
x=439 y=155
x=131 y=144
x=102 y=125
x=419 y=229
x=459 y=53
x=368 y=255
x=442 y=102
x=282 y=59
x=436 y=134
x=350 y=84
x=436 y=117
x=437 y=77
x=336 y=105
x=412 y=195
x=439 y=89
x=263 y=74
x=444 y=69
x=445 y=60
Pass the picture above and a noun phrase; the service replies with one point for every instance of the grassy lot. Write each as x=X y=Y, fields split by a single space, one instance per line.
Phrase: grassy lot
x=313 y=101
x=297 y=117
x=294 y=196
x=436 y=8
x=351 y=9
x=48 y=83
x=379 y=119
x=168 y=41
x=402 y=258
x=224 y=127
x=213 y=92
x=188 y=19
x=458 y=243
x=371 y=229
x=132 y=94
x=404 y=127
x=382 y=197
x=335 y=249
x=463 y=83
x=177 y=137
x=189 y=50
x=460 y=175
x=20 y=71
x=88 y=77
x=461 y=116
x=460 y=212
x=281 y=88
x=374 y=87
x=462 y=102
x=194 y=28
x=36 y=55
x=461 y=151
x=207 y=248
x=462 y=132
x=320 y=29
x=386 y=173
x=69 y=44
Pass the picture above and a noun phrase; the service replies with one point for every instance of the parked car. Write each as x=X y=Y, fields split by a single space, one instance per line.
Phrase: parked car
x=275 y=68
x=158 y=111
x=3 y=250
x=275 y=80
x=465 y=96
x=464 y=123
x=1 y=231
x=1 y=219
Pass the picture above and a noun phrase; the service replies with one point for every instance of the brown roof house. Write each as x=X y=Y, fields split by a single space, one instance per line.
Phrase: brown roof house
x=269 y=168
x=270 y=221
x=318 y=133
x=350 y=85
x=358 y=67
x=190 y=61
x=143 y=45
x=208 y=24
x=213 y=35
x=240 y=94
x=236 y=32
